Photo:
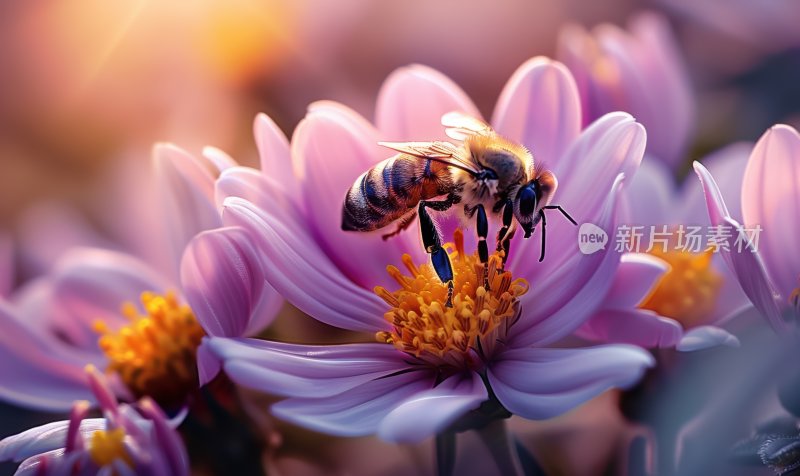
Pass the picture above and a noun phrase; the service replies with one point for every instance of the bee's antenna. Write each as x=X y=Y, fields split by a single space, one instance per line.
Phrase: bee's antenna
x=544 y=223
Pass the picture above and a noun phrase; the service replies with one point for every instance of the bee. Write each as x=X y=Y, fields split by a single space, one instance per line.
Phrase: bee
x=486 y=171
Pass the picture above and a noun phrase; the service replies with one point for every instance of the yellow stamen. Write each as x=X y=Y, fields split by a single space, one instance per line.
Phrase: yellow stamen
x=107 y=446
x=424 y=327
x=154 y=355
x=688 y=292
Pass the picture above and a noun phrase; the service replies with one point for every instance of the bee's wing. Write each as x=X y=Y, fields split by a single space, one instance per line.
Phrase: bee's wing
x=438 y=150
x=459 y=126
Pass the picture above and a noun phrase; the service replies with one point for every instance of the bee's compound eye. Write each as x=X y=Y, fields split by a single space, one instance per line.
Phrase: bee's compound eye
x=527 y=200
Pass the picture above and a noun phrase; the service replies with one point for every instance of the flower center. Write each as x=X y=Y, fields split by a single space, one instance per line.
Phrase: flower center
x=422 y=326
x=154 y=354
x=107 y=446
x=688 y=291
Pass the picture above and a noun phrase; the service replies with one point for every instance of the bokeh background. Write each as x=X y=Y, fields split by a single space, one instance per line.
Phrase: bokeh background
x=88 y=86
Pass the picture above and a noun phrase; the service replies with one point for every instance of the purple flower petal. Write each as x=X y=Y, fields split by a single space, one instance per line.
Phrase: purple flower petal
x=650 y=63
x=44 y=438
x=413 y=100
x=303 y=370
x=572 y=292
x=634 y=280
x=303 y=274
x=168 y=443
x=650 y=196
x=614 y=144
x=254 y=186
x=273 y=151
x=219 y=159
x=745 y=265
x=543 y=383
x=333 y=146
x=188 y=194
x=223 y=281
x=727 y=166
x=704 y=337
x=540 y=108
x=208 y=364
x=631 y=326
x=427 y=413
x=47 y=231
x=92 y=284
x=49 y=380
x=771 y=199
x=358 y=411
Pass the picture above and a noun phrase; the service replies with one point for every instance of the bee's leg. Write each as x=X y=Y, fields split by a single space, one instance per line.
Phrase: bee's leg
x=433 y=245
x=405 y=221
x=544 y=223
x=506 y=232
x=544 y=234
x=483 y=247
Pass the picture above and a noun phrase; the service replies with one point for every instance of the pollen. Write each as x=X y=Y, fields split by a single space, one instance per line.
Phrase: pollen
x=688 y=292
x=154 y=354
x=421 y=324
x=107 y=446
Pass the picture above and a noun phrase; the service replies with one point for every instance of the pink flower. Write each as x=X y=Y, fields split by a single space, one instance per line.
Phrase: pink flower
x=294 y=215
x=708 y=294
x=127 y=440
x=639 y=71
x=77 y=310
x=767 y=269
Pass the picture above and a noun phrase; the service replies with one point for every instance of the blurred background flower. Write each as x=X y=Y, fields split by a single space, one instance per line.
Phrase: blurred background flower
x=87 y=87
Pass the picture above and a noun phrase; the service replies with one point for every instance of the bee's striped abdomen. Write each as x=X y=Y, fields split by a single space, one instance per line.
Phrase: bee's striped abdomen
x=387 y=191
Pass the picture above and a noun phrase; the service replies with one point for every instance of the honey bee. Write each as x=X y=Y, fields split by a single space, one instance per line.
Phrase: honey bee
x=486 y=171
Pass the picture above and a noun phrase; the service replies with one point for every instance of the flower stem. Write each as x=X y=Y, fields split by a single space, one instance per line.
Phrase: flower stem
x=445 y=453
x=501 y=445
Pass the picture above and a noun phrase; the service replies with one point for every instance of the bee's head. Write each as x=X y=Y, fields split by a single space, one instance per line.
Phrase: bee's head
x=530 y=199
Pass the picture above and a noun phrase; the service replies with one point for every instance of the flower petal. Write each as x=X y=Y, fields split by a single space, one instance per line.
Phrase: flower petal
x=427 y=413
x=568 y=296
x=273 y=151
x=218 y=159
x=614 y=144
x=727 y=166
x=187 y=189
x=91 y=284
x=303 y=274
x=543 y=383
x=223 y=281
x=358 y=411
x=650 y=196
x=636 y=276
x=540 y=108
x=329 y=133
x=704 y=337
x=631 y=326
x=42 y=439
x=771 y=199
x=33 y=378
x=302 y=370
x=745 y=265
x=413 y=100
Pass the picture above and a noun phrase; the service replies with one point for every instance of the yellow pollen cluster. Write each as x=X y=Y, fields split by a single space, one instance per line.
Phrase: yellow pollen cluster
x=688 y=291
x=424 y=327
x=154 y=354
x=107 y=446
